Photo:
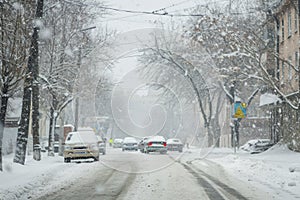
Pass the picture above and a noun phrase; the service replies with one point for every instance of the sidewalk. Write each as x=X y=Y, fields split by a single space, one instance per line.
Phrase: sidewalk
x=276 y=171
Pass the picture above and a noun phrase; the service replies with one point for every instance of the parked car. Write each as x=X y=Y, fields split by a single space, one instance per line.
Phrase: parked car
x=142 y=144
x=257 y=145
x=130 y=143
x=174 y=144
x=82 y=144
x=56 y=147
x=156 y=144
x=102 y=145
x=117 y=143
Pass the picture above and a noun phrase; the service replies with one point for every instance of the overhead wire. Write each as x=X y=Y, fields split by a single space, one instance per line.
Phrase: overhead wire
x=151 y=13
x=173 y=5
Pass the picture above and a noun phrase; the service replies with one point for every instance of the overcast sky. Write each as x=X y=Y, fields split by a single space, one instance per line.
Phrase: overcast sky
x=134 y=28
x=125 y=21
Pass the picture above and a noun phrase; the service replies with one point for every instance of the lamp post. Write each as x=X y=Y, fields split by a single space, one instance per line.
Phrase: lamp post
x=76 y=118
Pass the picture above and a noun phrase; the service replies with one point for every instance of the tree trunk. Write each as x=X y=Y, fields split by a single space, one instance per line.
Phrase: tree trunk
x=34 y=68
x=22 y=136
x=30 y=84
x=4 y=101
x=50 y=136
x=210 y=137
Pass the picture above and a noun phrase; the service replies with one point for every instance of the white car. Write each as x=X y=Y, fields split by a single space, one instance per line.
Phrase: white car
x=257 y=145
x=130 y=143
x=81 y=145
x=156 y=144
x=118 y=143
x=174 y=144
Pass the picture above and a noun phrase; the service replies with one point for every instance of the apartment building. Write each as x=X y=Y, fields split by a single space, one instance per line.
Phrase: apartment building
x=286 y=15
x=287 y=19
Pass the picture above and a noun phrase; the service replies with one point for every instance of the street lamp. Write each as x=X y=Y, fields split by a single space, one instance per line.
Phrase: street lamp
x=76 y=120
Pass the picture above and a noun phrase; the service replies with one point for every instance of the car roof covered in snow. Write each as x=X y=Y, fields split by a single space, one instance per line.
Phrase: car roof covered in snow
x=86 y=137
x=174 y=141
x=129 y=139
x=157 y=138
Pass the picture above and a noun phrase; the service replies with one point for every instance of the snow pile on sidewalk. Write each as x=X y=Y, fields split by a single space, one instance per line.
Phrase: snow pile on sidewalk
x=37 y=177
x=276 y=171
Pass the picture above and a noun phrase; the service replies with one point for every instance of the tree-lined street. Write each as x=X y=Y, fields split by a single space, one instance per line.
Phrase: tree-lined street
x=84 y=82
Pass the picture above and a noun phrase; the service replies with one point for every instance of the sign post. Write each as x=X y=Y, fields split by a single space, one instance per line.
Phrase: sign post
x=239 y=112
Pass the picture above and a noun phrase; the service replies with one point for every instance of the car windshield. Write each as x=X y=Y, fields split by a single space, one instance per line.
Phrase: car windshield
x=150 y=99
x=129 y=140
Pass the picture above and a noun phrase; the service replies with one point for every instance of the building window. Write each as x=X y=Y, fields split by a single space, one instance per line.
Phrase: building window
x=282 y=30
x=296 y=64
x=296 y=59
x=296 y=20
x=282 y=72
x=290 y=74
x=289 y=24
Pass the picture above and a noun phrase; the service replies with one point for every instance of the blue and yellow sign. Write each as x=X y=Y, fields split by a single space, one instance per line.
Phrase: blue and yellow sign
x=240 y=110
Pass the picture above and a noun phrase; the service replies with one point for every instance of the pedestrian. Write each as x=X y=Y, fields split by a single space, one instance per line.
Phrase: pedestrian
x=110 y=142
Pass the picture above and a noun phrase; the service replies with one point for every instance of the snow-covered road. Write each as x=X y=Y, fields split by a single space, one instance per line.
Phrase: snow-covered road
x=136 y=176
x=133 y=175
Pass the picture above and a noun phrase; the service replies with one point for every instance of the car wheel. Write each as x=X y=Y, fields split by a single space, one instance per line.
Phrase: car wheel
x=123 y=149
x=67 y=160
x=180 y=150
x=96 y=158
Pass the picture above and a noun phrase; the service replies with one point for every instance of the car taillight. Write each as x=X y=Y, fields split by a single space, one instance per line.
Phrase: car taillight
x=165 y=144
x=149 y=143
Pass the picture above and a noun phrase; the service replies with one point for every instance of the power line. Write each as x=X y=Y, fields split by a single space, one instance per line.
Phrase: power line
x=151 y=13
x=173 y=5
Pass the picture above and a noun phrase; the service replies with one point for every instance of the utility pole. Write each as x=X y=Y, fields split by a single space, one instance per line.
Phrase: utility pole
x=30 y=93
x=76 y=120
x=34 y=67
x=234 y=124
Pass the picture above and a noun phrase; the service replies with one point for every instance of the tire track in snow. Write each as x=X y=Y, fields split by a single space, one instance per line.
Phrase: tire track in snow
x=215 y=189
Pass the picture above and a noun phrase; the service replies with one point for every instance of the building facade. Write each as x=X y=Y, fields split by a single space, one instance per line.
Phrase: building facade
x=286 y=15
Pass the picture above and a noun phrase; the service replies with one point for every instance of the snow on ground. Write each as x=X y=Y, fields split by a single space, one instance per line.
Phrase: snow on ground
x=35 y=177
x=276 y=171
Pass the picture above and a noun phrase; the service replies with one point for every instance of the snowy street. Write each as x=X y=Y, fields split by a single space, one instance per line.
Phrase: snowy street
x=150 y=100
x=133 y=175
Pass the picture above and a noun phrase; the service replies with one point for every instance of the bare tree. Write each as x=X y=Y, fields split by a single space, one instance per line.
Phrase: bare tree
x=178 y=54
x=237 y=45
x=14 y=46
x=30 y=97
x=67 y=42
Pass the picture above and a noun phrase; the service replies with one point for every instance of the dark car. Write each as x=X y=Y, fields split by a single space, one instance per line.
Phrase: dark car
x=102 y=145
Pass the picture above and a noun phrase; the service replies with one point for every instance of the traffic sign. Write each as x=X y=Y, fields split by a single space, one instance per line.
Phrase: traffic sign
x=240 y=110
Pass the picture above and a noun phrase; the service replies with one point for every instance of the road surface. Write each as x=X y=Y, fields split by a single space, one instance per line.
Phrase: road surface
x=133 y=175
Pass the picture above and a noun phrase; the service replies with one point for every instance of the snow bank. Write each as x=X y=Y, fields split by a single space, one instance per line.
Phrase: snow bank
x=37 y=178
x=276 y=171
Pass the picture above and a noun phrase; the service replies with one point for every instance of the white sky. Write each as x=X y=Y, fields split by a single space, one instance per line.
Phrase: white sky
x=134 y=28
x=126 y=21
